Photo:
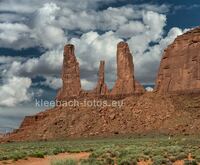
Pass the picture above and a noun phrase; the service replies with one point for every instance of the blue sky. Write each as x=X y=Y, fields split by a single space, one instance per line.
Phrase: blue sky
x=33 y=33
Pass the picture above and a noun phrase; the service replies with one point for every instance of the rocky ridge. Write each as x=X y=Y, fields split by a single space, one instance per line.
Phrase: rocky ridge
x=140 y=115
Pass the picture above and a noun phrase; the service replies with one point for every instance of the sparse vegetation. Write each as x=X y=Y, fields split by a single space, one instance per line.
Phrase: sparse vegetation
x=121 y=151
x=64 y=162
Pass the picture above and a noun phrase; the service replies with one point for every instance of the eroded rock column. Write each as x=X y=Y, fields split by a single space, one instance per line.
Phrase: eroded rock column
x=101 y=88
x=125 y=69
x=70 y=75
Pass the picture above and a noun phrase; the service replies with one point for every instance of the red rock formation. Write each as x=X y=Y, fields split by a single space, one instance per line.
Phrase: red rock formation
x=70 y=75
x=101 y=88
x=140 y=114
x=139 y=88
x=150 y=113
x=180 y=65
x=125 y=83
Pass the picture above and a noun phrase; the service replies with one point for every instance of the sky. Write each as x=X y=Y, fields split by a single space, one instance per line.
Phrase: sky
x=33 y=34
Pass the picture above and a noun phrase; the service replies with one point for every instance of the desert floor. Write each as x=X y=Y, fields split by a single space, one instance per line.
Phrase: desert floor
x=155 y=150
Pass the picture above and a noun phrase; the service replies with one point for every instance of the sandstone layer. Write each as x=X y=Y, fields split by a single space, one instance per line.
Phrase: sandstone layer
x=180 y=65
x=101 y=88
x=150 y=113
x=70 y=75
x=125 y=83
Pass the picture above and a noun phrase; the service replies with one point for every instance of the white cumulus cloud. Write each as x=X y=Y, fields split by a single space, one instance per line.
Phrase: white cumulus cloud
x=95 y=34
x=53 y=82
x=14 y=91
x=149 y=89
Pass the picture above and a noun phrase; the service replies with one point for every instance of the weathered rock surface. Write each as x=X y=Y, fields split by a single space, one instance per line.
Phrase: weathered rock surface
x=125 y=83
x=150 y=113
x=180 y=65
x=1 y=135
x=70 y=75
x=101 y=88
x=139 y=89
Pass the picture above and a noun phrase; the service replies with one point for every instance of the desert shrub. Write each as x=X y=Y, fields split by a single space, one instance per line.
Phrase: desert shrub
x=158 y=160
x=3 y=158
x=143 y=157
x=17 y=155
x=181 y=156
x=174 y=149
x=197 y=158
x=127 y=161
x=91 y=161
x=190 y=162
x=64 y=162
x=147 y=152
x=109 y=161
x=38 y=154
x=57 y=151
x=105 y=151
x=172 y=158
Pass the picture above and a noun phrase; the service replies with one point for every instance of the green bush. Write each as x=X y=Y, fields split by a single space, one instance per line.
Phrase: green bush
x=17 y=156
x=190 y=162
x=92 y=161
x=109 y=150
x=64 y=162
x=158 y=160
x=126 y=161
x=181 y=156
x=38 y=154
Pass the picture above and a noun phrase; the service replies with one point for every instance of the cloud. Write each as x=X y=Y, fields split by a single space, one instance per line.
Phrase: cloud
x=149 y=89
x=11 y=118
x=130 y=29
x=53 y=82
x=12 y=18
x=14 y=91
x=91 y=48
x=9 y=59
x=12 y=33
x=147 y=61
x=48 y=63
x=141 y=26
x=172 y=34
x=29 y=6
x=87 y=84
x=95 y=34
x=163 y=8
x=52 y=23
x=45 y=30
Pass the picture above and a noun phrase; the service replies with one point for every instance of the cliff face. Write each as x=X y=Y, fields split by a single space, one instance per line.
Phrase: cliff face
x=125 y=83
x=180 y=65
x=125 y=71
